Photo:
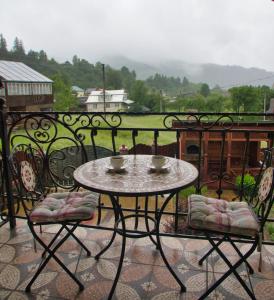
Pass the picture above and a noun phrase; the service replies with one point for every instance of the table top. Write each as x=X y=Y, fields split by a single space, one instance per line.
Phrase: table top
x=137 y=179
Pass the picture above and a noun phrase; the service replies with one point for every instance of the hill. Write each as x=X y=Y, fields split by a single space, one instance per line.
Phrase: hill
x=212 y=74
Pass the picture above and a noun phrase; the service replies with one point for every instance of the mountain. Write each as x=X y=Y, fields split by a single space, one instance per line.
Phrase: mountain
x=225 y=76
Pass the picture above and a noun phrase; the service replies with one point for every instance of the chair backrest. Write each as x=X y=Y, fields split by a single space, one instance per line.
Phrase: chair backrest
x=27 y=169
x=262 y=195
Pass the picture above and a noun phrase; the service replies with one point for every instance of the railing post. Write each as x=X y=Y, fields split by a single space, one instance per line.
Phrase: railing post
x=5 y=154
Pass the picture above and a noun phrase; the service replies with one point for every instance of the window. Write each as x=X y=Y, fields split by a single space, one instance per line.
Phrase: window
x=27 y=89
x=11 y=88
x=95 y=106
x=192 y=149
x=107 y=105
x=116 y=104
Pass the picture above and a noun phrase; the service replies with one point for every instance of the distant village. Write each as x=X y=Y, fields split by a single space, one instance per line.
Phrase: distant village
x=28 y=90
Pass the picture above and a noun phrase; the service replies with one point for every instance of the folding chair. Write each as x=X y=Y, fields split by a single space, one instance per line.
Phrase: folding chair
x=67 y=209
x=230 y=220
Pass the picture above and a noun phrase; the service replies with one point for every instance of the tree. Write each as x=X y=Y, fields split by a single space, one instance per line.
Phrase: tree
x=185 y=82
x=75 y=60
x=128 y=78
x=18 y=50
x=113 y=79
x=215 y=103
x=138 y=92
x=204 y=90
x=155 y=101
x=33 y=55
x=43 y=56
x=245 y=99
x=64 y=100
x=3 y=47
x=196 y=102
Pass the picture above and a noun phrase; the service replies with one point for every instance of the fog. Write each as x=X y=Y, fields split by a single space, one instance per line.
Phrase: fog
x=228 y=32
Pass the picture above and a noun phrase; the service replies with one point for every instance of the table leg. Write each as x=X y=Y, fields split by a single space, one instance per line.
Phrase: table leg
x=97 y=256
x=182 y=286
x=147 y=223
x=122 y=232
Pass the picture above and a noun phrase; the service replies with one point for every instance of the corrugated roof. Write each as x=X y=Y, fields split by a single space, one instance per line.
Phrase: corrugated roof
x=76 y=88
x=111 y=96
x=18 y=71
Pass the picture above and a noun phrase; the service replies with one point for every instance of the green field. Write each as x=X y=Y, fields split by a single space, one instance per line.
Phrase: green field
x=104 y=138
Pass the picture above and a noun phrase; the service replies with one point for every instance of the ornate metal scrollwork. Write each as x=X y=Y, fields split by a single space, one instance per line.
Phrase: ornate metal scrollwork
x=99 y=120
x=188 y=121
x=224 y=121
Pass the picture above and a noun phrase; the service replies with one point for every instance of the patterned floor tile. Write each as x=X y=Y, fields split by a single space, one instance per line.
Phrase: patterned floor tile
x=5 y=234
x=231 y=288
x=52 y=277
x=143 y=276
x=267 y=268
x=263 y=289
x=219 y=266
x=200 y=247
x=4 y=293
x=9 y=277
x=97 y=276
x=165 y=286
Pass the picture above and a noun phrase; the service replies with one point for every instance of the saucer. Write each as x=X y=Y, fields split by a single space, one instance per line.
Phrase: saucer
x=111 y=169
x=162 y=169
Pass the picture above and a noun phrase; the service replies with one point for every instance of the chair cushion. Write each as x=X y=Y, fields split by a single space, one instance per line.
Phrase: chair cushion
x=65 y=206
x=221 y=216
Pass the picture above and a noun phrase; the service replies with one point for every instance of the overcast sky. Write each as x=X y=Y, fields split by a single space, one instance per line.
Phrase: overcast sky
x=197 y=31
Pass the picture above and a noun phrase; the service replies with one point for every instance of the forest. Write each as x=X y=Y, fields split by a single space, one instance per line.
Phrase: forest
x=157 y=93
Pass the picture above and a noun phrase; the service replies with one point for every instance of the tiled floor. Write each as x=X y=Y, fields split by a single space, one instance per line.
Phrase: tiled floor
x=144 y=275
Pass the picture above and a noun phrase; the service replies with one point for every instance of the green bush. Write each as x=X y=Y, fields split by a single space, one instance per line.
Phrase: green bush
x=270 y=229
x=190 y=190
x=248 y=184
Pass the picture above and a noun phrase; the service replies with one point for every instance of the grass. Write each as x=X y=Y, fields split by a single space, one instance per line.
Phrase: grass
x=103 y=137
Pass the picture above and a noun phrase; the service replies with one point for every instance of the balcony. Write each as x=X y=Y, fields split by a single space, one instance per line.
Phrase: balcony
x=68 y=140
x=144 y=275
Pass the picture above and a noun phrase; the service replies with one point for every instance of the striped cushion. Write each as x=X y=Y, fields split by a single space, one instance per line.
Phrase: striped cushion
x=221 y=216
x=65 y=206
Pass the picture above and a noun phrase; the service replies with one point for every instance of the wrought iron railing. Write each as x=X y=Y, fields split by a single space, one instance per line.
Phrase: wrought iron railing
x=69 y=139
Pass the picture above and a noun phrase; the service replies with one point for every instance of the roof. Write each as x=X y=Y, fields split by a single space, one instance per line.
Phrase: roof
x=89 y=90
x=19 y=72
x=111 y=96
x=108 y=92
x=76 y=88
x=129 y=101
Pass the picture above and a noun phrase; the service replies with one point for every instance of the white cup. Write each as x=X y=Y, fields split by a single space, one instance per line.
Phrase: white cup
x=117 y=162
x=158 y=161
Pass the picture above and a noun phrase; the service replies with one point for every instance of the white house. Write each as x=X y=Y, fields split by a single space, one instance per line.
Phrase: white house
x=115 y=100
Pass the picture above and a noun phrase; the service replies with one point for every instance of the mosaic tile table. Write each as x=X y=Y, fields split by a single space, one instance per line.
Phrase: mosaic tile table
x=138 y=178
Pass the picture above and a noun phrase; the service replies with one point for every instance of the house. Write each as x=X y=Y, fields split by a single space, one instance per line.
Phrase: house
x=77 y=91
x=115 y=100
x=89 y=90
x=24 y=88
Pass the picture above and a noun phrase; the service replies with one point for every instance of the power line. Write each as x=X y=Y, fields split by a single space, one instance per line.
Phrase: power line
x=247 y=82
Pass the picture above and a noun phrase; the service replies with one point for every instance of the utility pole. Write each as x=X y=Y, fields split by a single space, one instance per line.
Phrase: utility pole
x=161 y=105
x=104 y=87
x=264 y=105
